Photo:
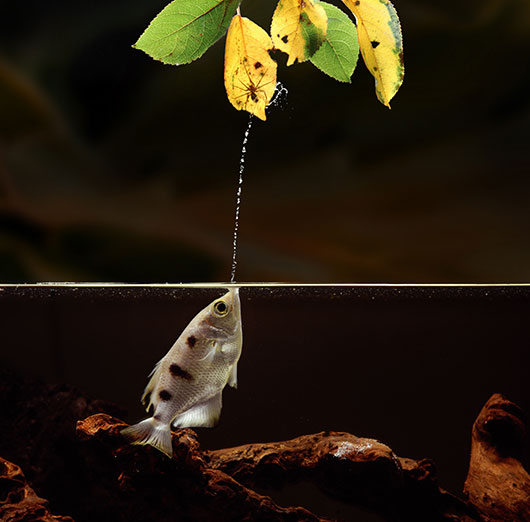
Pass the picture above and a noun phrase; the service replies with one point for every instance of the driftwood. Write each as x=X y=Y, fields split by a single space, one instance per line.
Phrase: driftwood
x=186 y=485
x=354 y=470
x=87 y=471
x=18 y=501
x=497 y=484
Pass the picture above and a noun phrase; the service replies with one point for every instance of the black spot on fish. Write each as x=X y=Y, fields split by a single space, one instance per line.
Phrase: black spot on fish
x=375 y=68
x=164 y=395
x=285 y=39
x=257 y=65
x=375 y=43
x=191 y=340
x=177 y=371
x=357 y=2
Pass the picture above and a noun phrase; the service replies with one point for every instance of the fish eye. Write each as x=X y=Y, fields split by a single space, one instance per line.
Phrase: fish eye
x=220 y=308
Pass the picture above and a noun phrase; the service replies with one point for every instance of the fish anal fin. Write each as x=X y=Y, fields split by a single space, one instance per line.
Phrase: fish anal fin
x=232 y=378
x=203 y=415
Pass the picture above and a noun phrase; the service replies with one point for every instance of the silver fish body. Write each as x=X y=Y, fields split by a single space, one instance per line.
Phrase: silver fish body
x=186 y=385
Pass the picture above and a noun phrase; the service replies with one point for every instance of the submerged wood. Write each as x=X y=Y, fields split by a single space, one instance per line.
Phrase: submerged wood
x=497 y=483
x=18 y=501
x=87 y=470
x=359 y=471
x=183 y=484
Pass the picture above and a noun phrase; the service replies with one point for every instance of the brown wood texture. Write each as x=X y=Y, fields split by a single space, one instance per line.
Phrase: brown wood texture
x=72 y=454
x=219 y=485
x=497 y=483
x=18 y=501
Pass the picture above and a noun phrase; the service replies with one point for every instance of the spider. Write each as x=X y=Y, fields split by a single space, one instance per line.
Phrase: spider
x=251 y=90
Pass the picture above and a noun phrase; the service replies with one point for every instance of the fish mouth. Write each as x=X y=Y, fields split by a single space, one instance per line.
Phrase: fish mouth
x=235 y=303
x=232 y=297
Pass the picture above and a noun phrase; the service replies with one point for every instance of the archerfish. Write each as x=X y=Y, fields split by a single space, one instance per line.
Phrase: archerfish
x=186 y=385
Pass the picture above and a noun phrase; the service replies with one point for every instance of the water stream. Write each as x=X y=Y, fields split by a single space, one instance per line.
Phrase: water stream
x=279 y=94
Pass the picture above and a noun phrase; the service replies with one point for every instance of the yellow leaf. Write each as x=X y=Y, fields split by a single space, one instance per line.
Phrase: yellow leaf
x=250 y=72
x=298 y=28
x=381 y=44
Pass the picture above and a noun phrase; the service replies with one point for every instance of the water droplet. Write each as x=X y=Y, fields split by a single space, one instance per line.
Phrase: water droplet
x=279 y=96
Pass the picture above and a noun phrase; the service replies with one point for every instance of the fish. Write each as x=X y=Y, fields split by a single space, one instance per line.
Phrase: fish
x=186 y=386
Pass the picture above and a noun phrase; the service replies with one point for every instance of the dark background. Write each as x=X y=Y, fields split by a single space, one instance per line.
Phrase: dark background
x=409 y=366
x=114 y=167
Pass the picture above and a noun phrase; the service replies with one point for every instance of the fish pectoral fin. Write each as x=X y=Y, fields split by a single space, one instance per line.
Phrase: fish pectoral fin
x=209 y=355
x=155 y=374
x=203 y=415
x=232 y=378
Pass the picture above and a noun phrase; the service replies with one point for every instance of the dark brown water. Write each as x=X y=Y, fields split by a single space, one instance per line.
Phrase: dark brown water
x=408 y=365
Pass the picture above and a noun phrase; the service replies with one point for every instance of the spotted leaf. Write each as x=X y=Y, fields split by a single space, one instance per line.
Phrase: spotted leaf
x=185 y=29
x=298 y=28
x=381 y=44
x=250 y=72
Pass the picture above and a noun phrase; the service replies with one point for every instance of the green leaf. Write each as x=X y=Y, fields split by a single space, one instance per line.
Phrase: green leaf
x=337 y=56
x=185 y=29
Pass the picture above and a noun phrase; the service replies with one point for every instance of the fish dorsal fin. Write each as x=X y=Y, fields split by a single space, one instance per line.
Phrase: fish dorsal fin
x=203 y=415
x=154 y=375
x=232 y=378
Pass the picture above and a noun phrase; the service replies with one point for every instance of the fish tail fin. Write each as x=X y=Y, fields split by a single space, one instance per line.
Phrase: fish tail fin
x=153 y=432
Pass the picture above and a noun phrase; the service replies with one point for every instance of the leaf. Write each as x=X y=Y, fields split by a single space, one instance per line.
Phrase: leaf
x=298 y=28
x=250 y=72
x=337 y=57
x=185 y=29
x=381 y=44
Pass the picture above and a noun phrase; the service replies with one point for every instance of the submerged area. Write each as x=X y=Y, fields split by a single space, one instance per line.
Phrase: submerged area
x=410 y=366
